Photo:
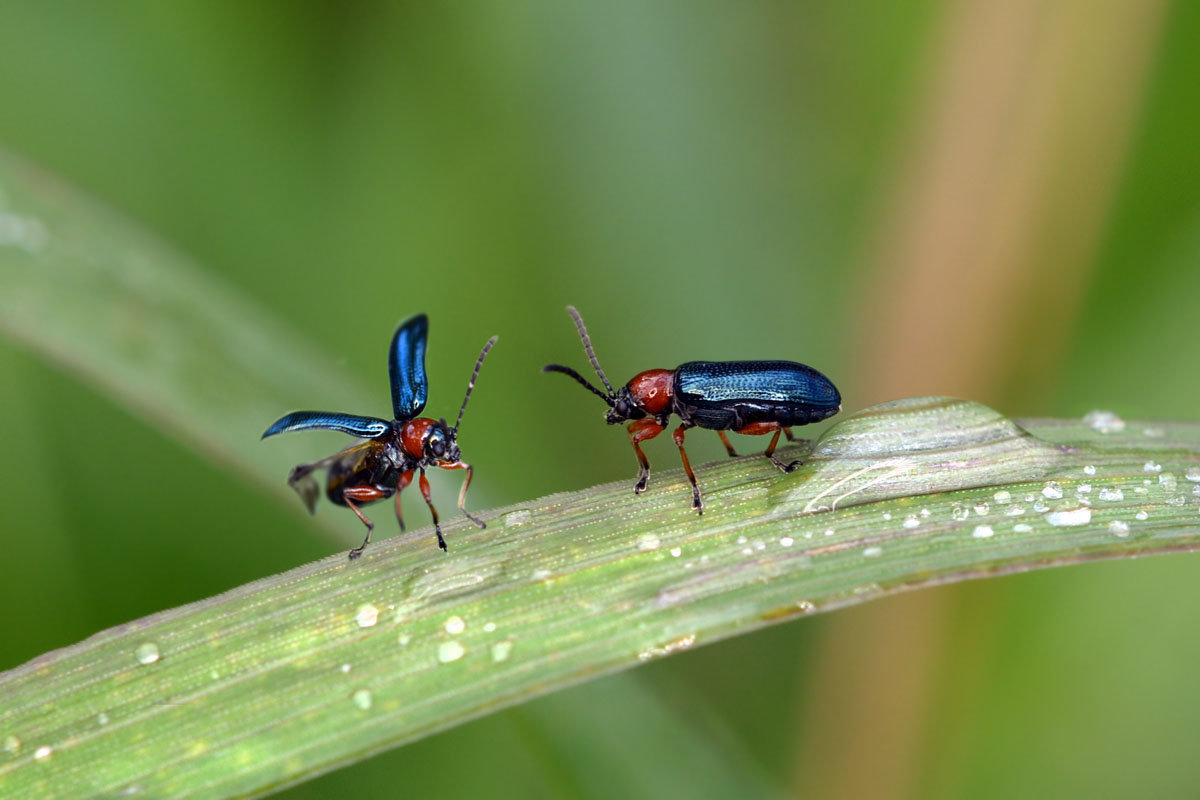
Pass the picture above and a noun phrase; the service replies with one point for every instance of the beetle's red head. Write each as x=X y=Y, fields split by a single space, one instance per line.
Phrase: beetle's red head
x=624 y=407
x=441 y=443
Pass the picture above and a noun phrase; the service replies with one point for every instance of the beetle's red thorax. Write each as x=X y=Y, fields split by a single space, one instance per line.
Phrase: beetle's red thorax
x=412 y=435
x=651 y=390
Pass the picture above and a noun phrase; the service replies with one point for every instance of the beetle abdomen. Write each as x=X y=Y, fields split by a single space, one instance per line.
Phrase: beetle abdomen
x=721 y=395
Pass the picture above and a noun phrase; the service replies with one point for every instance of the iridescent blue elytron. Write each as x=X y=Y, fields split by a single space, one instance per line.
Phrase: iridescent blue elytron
x=749 y=397
x=383 y=464
x=727 y=395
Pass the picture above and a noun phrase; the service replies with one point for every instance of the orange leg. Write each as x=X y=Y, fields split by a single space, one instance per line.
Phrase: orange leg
x=788 y=433
x=762 y=429
x=363 y=494
x=401 y=485
x=639 y=431
x=428 y=495
x=462 y=494
x=728 y=447
x=677 y=435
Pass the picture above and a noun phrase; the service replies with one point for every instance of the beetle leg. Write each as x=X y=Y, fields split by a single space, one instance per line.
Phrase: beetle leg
x=401 y=485
x=770 y=453
x=428 y=495
x=462 y=494
x=639 y=431
x=728 y=447
x=762 y=429
x=677 y=435
x=363 y=494
x=788 y=433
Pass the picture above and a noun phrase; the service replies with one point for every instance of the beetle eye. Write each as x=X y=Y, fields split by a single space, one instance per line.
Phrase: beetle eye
x=437 y=445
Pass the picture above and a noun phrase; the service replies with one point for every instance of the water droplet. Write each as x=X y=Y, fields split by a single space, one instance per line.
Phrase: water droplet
x=887 y=515
x=806 y=606
x=404 y=639
x=362 y=698
x=146 y=653
x=1150 y=466
x=12 y=745
x=747 y=551
x=1083 y=488
x=960 y=512
x=983 y=532
x=741 y=540
x=911 y=521
x=1168 y=481
x=102 y=718
x=1193 y=474
x=1052 y=491
x=500 y=651
x=829 y=531
x=489 y=627
x=1002 y=496
x=676 y=552
x=1176 y=500
x=345 y=668
x=1104 y=421
x=455 y=625
x=925 y=512
x=1021 y=527
x=655 y=651
x=1154 y=433
x=1014 y=511
x=871 y=552
x=1089 y=470
x=1040 y=506
x=367 y=615
x=43 y=752
x=1074 y=516
x=1141 y=515
x=1118 y=528
x=787 y=541
x=1112 y=495
x=647 y=541
x=982 y=509
x=519 y=517
x=450 y=651
x=540 y=574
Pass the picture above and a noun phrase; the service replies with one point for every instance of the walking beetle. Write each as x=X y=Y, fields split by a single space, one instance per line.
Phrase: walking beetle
x=750 y=397
x=383 y=464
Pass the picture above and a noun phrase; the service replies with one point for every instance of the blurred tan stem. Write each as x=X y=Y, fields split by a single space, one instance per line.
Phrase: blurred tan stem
x=1007 y=181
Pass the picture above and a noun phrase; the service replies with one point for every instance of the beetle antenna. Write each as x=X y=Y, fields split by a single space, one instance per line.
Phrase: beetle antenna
x=582 y=380
x=471 y=383
x=591 y=354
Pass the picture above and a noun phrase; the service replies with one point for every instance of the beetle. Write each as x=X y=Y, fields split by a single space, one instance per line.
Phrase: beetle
x=749 y=397
x=383 y=463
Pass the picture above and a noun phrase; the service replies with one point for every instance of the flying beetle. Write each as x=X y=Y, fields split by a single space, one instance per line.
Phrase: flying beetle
x=382 y=465
x=749 y=397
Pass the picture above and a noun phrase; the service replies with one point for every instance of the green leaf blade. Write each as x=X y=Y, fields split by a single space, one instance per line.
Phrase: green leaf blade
x=298 y=673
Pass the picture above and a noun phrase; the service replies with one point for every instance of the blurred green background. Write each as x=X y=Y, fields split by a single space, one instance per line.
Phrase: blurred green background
x=997 y=200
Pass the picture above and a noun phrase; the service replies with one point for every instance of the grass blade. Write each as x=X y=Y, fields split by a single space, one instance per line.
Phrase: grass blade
x=290 y=676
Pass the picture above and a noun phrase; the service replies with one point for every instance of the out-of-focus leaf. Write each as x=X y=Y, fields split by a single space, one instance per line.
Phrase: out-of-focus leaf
x=108 y=301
